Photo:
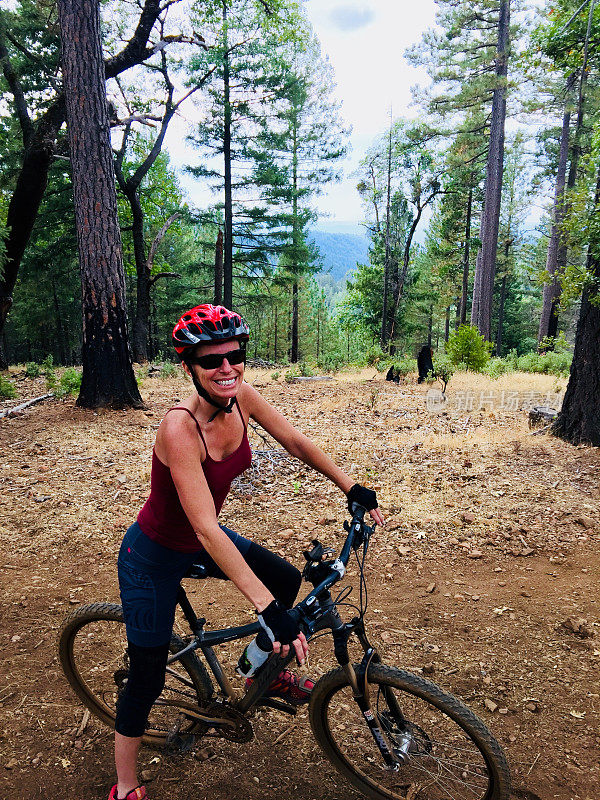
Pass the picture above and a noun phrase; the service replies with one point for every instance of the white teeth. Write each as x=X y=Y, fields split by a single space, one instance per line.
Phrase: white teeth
x=226 y=383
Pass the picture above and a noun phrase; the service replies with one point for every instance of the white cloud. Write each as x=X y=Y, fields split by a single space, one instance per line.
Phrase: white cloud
x=351 y=17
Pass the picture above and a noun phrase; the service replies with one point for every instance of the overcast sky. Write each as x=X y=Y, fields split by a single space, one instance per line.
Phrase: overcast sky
x=365 y=41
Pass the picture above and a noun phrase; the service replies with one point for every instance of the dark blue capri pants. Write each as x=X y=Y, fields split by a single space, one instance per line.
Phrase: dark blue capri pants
x=149 y=578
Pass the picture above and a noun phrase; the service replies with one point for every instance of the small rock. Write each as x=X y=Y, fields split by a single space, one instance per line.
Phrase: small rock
x=428 y=669
x=15 y=638
x=527 y=551
x=403 y=551
x=475 y=554
x=579 y=627
x=490 y=705
x=503 y=710
x=205 y=753
x=587 y=522
x=431 y=588
x=286 y=534
x=467 y=517
x=475 y=597
x=533 y=707
x=11 y=764
x=147 y=775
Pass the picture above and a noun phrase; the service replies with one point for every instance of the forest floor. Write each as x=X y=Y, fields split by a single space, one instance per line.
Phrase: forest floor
x=485 y=577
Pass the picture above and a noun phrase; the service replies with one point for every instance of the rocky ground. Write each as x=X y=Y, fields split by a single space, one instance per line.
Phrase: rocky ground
x=485 y=577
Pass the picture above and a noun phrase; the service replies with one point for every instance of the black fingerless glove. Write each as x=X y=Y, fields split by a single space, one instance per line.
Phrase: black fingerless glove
x=278 y=623
x=361 y=496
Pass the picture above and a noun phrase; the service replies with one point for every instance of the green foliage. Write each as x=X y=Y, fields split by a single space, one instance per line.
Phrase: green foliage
x=69 y=383
x=168 y=370
x=375 y=357
x=467 y=346
x=33 y=370
x=404 y=366
x=444 y=368
x=49 y=372
x=497 y=367
x=275 y=376
x=306 y=370
x=550 y=363
x=7 y=388
x=290 y=374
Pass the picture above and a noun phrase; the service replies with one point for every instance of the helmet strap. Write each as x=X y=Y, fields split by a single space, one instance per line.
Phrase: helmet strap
x=205 y=396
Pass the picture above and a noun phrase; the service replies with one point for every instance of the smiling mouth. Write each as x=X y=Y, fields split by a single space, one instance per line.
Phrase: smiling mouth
x=226 y=383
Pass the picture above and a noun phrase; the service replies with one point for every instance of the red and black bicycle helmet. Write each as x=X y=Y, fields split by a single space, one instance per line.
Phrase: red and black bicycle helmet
x=208 y=323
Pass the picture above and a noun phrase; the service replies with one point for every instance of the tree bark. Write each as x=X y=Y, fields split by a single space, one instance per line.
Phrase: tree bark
x=579 y=419
x=108 y=378
x=228 y=239
x=501 y=318
x=483 y=292
x=218 y=293
x=386 y=264
x=39 y=148
x=294 y=351
x=465 y=276
x=551 y=294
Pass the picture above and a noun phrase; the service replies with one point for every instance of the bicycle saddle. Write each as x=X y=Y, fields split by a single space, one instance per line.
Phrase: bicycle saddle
x=197 y=571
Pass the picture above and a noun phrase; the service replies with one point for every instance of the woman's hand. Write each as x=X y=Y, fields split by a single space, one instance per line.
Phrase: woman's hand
x=282 y=629
x=361 y=496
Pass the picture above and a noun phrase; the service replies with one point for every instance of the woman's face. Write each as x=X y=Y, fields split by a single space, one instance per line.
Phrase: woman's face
x=223 y=382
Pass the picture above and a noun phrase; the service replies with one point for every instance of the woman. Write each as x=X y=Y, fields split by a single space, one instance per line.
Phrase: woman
x=201 y=446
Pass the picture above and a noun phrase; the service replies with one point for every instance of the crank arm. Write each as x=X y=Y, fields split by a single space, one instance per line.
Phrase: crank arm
x=190 y=711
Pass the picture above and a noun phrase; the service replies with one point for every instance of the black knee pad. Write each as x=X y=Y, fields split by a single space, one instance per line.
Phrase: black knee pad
x=145 y=682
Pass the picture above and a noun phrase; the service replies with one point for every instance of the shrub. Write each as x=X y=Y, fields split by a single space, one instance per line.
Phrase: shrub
x=49 y=373
x=330 y=363
x=444 y=370
x=404 y=366
x=275 y=376
x=375 y=356
x=497 y=367
x=7 y=388
x=32 y=370
x=290 y=374
x=550 y=363
x=467 y=346
x=68 y=383
x=305 y=370
x=168 y=370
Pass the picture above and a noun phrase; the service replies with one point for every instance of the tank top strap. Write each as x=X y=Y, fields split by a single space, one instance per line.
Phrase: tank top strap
x=183 y=408
x=241 y=415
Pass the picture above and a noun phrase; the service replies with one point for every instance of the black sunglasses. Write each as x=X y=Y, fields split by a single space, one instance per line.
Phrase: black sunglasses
x=214 y=360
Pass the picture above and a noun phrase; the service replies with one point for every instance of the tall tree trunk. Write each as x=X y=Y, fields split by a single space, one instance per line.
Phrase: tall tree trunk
x=275 y=338
x=386 y=263
x=108 y=378
x=60 y=328
x=447 y=324
x=430 y=326
x=483 y=292
x=25 y=202
x=579 y=418
x=294 y=352
x=549 y=317
x=501 y=318
x=228 y=240
x=553 y=292
x=218 y=293
x=465 y=276
x=39 y=148
x=141 y=321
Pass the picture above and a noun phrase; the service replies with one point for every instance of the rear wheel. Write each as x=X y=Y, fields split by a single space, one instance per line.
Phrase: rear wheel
x=445 y=751
x=93 y=655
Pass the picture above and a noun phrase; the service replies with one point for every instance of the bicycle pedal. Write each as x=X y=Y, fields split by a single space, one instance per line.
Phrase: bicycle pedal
x=179 y=744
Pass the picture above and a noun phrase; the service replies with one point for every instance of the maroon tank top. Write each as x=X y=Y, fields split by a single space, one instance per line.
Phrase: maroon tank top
x=162 y=517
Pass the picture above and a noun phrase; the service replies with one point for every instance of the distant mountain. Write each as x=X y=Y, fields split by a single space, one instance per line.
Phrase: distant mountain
x=340 y=252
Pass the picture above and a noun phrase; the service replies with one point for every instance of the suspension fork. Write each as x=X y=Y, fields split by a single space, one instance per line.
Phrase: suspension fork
x=359 y=684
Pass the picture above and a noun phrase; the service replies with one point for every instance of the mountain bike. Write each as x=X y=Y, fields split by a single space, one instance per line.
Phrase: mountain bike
x=392 y=734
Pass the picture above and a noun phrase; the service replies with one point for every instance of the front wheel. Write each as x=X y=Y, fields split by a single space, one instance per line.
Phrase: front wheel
x=444 y=751
x=93 y=654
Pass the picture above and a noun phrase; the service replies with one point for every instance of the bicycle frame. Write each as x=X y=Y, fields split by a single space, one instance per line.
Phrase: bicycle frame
x=315 y=613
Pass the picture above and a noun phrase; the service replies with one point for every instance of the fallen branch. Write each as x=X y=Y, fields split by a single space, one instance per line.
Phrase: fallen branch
x=9 y=411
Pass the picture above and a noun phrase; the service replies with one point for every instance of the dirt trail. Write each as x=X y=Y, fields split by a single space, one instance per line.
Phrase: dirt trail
x=481 y=579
